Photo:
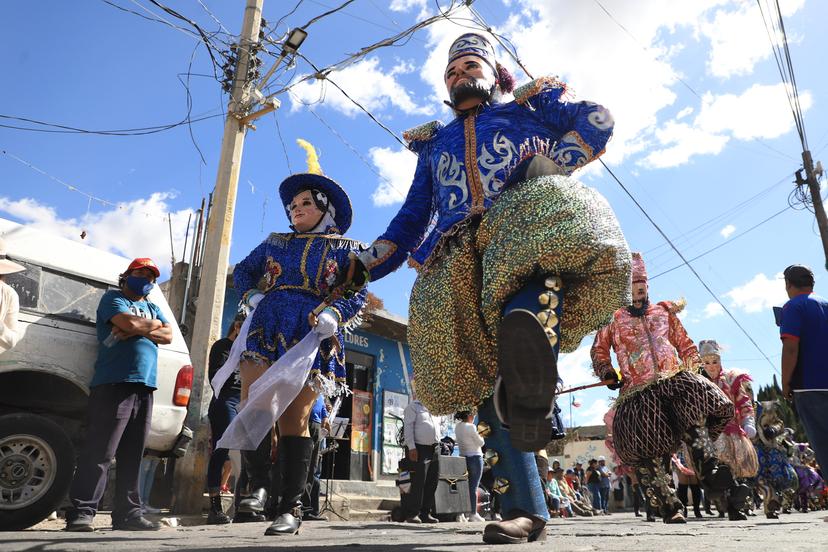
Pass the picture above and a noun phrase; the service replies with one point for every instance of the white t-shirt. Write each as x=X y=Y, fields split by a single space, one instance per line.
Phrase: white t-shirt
x=9 y=307
x=469 y=441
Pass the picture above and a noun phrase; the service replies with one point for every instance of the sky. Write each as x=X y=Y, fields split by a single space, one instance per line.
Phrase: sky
x=704 y=138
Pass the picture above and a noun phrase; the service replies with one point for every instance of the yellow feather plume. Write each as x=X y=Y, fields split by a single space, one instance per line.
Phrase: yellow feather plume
x=312 y=158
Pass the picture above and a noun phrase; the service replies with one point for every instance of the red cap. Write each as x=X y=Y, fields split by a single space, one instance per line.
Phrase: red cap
x=144 y=262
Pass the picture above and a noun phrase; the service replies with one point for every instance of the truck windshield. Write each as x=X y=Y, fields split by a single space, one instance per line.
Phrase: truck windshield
x=50 y=292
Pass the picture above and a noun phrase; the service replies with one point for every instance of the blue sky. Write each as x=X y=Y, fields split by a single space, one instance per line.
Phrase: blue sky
x=702 y=126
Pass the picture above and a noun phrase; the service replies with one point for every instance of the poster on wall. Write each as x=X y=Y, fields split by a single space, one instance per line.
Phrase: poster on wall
x=393 y=407
x=361 y=422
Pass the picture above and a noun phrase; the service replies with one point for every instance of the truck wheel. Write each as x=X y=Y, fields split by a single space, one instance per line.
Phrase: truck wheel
x=37 y=461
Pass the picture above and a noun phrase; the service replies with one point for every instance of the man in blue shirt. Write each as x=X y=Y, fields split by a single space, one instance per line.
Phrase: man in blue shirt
x=130 y=328
x=804 y=332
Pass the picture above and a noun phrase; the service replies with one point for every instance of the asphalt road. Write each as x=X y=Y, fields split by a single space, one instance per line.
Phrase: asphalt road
x=621 y=532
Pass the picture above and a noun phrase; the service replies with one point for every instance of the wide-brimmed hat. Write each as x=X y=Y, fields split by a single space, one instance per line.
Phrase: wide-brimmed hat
x=315 y=180
x=8 y=266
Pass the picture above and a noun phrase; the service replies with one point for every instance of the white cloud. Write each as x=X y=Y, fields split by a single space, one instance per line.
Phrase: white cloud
x=739 y=39
x=712 y=310
x=759 y=294
x=133 y=229
x=683 y=141
x=367 y=83
x=396 y=168
x=723 y=117
x=575 y=368
x=592 y=414
x=727 y=231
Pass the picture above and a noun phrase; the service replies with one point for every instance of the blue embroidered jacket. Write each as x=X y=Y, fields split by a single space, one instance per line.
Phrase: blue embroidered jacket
x=296 y=273
x=463 y=166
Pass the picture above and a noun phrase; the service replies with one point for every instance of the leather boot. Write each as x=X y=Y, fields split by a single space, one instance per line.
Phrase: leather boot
x=527 y=354
x=216 y=515
x=522 y=527
x=296 y=453
x=257 y=464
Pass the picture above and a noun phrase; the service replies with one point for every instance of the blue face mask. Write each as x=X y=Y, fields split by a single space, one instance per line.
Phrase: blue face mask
x=139 y=286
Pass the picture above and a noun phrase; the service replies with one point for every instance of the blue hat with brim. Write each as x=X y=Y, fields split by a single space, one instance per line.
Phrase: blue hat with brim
x=300 y=182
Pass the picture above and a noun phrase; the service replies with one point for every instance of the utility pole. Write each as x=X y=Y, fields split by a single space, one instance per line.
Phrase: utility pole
x=819 y=209
x=191 y=470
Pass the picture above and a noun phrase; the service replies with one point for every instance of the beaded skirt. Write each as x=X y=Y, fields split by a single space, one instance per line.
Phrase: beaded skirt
x=652 y=422
x=547 y=225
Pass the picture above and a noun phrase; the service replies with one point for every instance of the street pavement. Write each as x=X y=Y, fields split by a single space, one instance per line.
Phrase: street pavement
x=621 y=532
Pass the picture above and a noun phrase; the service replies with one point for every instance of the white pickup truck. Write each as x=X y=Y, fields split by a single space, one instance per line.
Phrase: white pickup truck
x=44 y=379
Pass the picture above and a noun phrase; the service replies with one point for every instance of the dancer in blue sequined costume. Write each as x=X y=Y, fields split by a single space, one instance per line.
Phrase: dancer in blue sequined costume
x=521 y=260
x=287 y=279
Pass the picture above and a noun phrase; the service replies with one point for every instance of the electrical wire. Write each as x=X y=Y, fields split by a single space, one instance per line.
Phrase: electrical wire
x=356 y=103
x=726 y=242
x=65 y=129
x=75 y=189
x=350 y=147
x=326 y=14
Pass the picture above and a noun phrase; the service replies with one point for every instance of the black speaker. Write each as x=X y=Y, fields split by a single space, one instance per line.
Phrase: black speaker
x=452 y=494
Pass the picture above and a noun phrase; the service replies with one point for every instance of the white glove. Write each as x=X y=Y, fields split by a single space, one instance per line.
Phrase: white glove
x=254 y=299
x=326 y=324
x=749 y=426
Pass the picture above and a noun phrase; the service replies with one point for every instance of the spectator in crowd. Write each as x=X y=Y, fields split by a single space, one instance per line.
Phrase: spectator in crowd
x=422 y=437
x=9 y=302
x=605 y=483
x=471 y=447
x=593 y=480
x=804 y=331
x=130 y=328
x=579 y=472
x=319 y=426
x=221 y=412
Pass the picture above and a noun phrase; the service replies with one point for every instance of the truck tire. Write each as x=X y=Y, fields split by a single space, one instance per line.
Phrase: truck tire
x=37 y=461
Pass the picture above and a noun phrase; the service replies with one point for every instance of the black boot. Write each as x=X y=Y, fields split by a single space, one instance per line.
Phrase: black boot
x=216 y=515
x=695 y=490
x=257 y=464
x=295 y=453
x=527 y=355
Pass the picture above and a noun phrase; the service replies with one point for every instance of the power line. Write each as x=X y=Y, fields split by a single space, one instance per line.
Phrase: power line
x=727 y=242
x=216 y=19
x=356 y=103
x=66 y=129
x=351 y=147
x=75 y=189
x=327 y=13
x=352 y=58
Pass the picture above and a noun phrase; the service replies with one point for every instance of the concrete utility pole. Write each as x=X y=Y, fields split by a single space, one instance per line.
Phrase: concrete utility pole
x=816 y=199
x=191 y=470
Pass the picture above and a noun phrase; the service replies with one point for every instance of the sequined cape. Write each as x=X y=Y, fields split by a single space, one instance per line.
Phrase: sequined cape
x=649 y=348
x=462 y=166
x=296 y=272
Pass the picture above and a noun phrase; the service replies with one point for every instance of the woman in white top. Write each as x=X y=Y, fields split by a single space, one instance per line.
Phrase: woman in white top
x=470 y=443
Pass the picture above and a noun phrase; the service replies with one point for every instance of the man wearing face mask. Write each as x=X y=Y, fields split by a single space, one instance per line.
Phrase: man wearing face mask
x=129 y=328
x=663 y=400
x=520 y=260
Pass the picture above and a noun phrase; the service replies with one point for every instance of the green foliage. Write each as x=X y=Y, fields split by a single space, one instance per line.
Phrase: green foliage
x=774 y=393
